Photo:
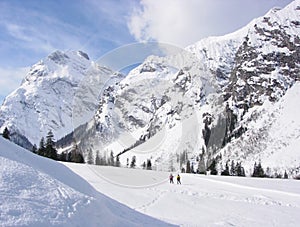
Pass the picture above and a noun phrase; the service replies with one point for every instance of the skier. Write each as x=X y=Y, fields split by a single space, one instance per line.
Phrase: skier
x=178 y=179
x=171 y=179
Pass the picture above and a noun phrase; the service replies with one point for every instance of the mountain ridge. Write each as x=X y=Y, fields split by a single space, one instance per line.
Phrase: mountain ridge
x=198 y=109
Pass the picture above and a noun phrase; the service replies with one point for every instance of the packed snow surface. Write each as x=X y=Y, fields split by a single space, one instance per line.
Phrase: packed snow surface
x=200 y=200
x=36 y=191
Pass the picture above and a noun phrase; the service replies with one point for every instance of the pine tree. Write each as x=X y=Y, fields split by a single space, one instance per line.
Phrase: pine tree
x=34 y=149
x=41 y=150
x=213 y=167
x=240 y=170
x=144 y=165
x=111 y=159
x=258 y=170
x=254 y=170
x=6 y=134
x=225 y=172
x=97 y=159
x=285 y=175
x=90 y=159
x=69 y=157
x=133 y=162
x=188 y=167
x=63 y=157
x=118 y=163
x=201 y=165
x=232 y=169
x=50 y=151
x=149 y=165
x=77 y=157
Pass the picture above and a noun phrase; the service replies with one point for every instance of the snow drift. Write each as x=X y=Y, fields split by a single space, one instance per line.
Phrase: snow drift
x=36 y=191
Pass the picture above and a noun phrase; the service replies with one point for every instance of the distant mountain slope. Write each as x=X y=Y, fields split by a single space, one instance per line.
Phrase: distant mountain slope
x=44 y=101
x=36 y=191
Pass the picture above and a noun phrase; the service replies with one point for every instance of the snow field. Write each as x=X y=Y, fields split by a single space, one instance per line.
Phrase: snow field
x=200 y=200
x=36 y=191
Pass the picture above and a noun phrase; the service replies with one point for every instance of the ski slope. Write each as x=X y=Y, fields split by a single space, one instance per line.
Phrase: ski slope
x=200 y=200
x=36 y=191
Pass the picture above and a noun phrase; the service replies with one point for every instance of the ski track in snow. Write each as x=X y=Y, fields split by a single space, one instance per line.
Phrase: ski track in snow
x=159 y=193
x=257 y=198
x=194 y=201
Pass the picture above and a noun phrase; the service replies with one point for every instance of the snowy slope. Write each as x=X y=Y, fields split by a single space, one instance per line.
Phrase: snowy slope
x=273 y=135
x=51 y=94
x=200 y=200
x=36 y=191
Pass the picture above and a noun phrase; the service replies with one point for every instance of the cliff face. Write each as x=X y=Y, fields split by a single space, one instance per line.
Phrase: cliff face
x=210 y=110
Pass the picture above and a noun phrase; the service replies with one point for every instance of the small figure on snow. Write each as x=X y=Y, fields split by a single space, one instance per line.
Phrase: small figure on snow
x=178 y=179
x=171 y=179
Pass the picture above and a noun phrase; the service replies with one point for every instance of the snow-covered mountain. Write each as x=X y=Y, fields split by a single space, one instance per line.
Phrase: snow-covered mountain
x=216 y=97
x=46 y=98
x=203 y=107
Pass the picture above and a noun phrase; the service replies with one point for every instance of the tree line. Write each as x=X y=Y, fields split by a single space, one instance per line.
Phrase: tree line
x=214 y=167
x=232 y=168
x=47 y=149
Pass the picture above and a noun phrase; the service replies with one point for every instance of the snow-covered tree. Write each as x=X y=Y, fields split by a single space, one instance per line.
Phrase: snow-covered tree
x=97 y=159
x=90 y=159
x=201 y=165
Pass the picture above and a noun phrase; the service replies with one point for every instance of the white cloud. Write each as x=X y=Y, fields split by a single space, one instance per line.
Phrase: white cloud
x=184 y=22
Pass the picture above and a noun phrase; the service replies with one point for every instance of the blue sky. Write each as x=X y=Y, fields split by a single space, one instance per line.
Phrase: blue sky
x=32 y=29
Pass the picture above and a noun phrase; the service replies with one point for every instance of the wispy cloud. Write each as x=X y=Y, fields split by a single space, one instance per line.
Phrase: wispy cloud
x=184 y=22
x=40 y=33
x=92 y=26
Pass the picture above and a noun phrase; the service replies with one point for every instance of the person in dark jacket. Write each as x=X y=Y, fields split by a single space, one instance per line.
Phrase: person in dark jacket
x=171 y=178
